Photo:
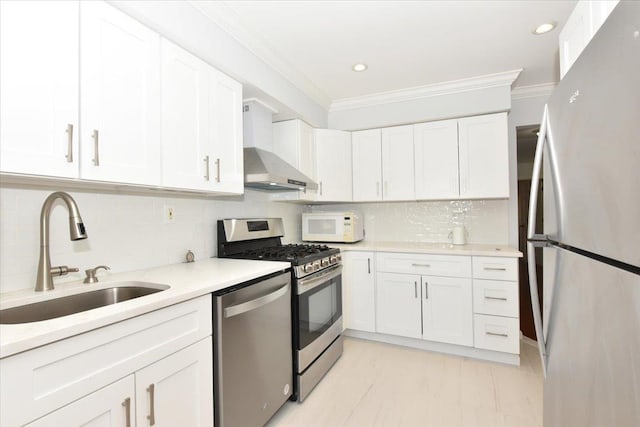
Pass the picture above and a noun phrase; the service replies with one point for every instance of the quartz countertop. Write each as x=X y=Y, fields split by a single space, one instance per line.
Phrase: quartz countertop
x=186 y=281
x=431 y=248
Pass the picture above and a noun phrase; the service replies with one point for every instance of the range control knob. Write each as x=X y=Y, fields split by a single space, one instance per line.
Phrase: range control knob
x=308 y=268
x=324 y=262
x=333 y=259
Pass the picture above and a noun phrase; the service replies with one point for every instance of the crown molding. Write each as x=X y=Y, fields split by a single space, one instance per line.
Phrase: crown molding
x=533 y=91
x=454 y=86
x=223 y=15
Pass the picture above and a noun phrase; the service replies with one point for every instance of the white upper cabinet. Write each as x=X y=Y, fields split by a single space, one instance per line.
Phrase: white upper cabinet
x=397 y=163
x=120 y=97
x=333 y=165
x=436 y=160
x=483 y=148
x=293 y=142
x=226 y=162
x=39 y=87
x=186 y=119
x=367 y=165
x=585 y=20
x=383 y=164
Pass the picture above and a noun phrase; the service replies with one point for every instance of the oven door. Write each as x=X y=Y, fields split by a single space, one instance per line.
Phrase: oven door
x=319 y=320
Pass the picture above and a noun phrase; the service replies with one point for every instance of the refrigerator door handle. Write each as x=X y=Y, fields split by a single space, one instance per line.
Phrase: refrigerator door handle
x=532 y=237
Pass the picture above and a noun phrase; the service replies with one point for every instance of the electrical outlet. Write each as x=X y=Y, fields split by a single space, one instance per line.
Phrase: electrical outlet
x=169 y=214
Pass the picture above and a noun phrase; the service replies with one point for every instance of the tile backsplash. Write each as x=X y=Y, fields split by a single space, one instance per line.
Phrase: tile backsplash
x=125 y=232
x=486 y=221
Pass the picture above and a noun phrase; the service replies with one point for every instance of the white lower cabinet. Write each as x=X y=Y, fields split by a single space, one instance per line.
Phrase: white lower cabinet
x=155 y=368
x=111 y=406
x=447 y=310
x=398 y=305
x=428 y=307
x=358 y=291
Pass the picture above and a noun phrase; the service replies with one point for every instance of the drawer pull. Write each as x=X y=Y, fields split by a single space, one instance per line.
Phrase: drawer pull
x=495 y=269
x=497 y=335
x=496 y=298
x=415 y=289
x=420 y=265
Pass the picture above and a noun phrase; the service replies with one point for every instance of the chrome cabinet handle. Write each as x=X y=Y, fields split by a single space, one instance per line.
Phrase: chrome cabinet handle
x=127 y=411
x=96 y=152
x=426 y=290
x=415 y=289
x=496 y=298
x=497 y=335
x=69 y=155
x=368 y=265
x=217 y=170
x=321 y=188
x=206 y=169
x=386 y=189
x=420 y=265
x=495 y=269
x=152 y=410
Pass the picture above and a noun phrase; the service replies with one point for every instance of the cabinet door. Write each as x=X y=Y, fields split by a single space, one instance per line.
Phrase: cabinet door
x=293 y=143
x=110 y=406
x=333 y=165
x=358 y=288
x=397 y=163
x=177 y=390
x=367 y=165
x=227 y=167
x=484 y=156
x=39 y=87
x=436 y=160
x=575 y=35
x=398 y=304
x=186 y=118
x=447 y=310
x=120 y=97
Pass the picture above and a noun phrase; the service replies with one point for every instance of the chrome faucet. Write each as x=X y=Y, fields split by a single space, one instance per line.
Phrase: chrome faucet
x=44 y=282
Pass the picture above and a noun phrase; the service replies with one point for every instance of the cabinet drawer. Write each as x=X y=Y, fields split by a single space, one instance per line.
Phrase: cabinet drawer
x=496 y=268
x=49 y=377
x=497 y=333
x=432 y=265
x=495 y=297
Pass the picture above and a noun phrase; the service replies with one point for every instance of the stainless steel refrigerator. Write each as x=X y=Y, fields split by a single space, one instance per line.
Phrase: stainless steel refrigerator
x=589 y=151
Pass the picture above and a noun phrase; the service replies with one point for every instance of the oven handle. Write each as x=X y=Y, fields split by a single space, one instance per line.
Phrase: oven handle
x=237 y=309
x=317 y=279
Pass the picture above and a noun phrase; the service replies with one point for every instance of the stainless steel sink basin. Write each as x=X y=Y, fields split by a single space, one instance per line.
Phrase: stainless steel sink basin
x=63 y=306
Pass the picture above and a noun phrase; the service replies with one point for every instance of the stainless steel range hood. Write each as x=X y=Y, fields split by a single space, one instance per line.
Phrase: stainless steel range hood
x=264 y=170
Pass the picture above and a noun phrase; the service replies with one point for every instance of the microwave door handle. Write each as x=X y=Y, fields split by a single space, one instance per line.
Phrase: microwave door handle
x=311 y=282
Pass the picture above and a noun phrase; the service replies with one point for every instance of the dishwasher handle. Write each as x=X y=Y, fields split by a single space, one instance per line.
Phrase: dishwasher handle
x=241 y=308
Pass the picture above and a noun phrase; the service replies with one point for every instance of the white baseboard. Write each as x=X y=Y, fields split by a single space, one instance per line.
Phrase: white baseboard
x=458 y=350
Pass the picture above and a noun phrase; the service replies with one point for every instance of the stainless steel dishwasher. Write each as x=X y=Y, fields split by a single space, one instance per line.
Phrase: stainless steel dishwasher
x=252 y=351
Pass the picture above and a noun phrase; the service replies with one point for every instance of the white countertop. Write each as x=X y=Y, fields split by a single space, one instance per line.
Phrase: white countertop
x=431 y=248
x=187 y=281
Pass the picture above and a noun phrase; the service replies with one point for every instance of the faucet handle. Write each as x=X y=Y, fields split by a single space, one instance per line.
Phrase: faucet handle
x=62 y=270
x=91 y=274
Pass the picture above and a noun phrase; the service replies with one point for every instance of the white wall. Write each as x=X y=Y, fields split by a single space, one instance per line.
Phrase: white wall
x=424 y=109
x=125 y=232
x=186 y=26
x=524 y=111
x=485 y=220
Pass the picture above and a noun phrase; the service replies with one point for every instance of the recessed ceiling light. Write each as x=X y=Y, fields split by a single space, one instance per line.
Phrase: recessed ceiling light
x=359 y=67
x=544 y=28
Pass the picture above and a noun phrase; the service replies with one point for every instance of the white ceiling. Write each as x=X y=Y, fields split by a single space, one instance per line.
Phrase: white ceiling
x=405 y=43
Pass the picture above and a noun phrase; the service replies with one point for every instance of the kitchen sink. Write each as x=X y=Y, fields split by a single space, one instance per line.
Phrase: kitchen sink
x=64 y=306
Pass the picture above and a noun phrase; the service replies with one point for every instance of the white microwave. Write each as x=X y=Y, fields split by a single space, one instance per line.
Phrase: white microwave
x=344 y=227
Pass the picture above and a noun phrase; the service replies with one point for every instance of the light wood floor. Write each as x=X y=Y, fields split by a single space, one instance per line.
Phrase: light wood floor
x=375 y=384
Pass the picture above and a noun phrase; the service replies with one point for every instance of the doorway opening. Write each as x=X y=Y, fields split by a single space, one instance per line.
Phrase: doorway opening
x=527 y=137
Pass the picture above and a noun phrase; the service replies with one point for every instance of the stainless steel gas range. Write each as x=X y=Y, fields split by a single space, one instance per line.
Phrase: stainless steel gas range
x=316 y=292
